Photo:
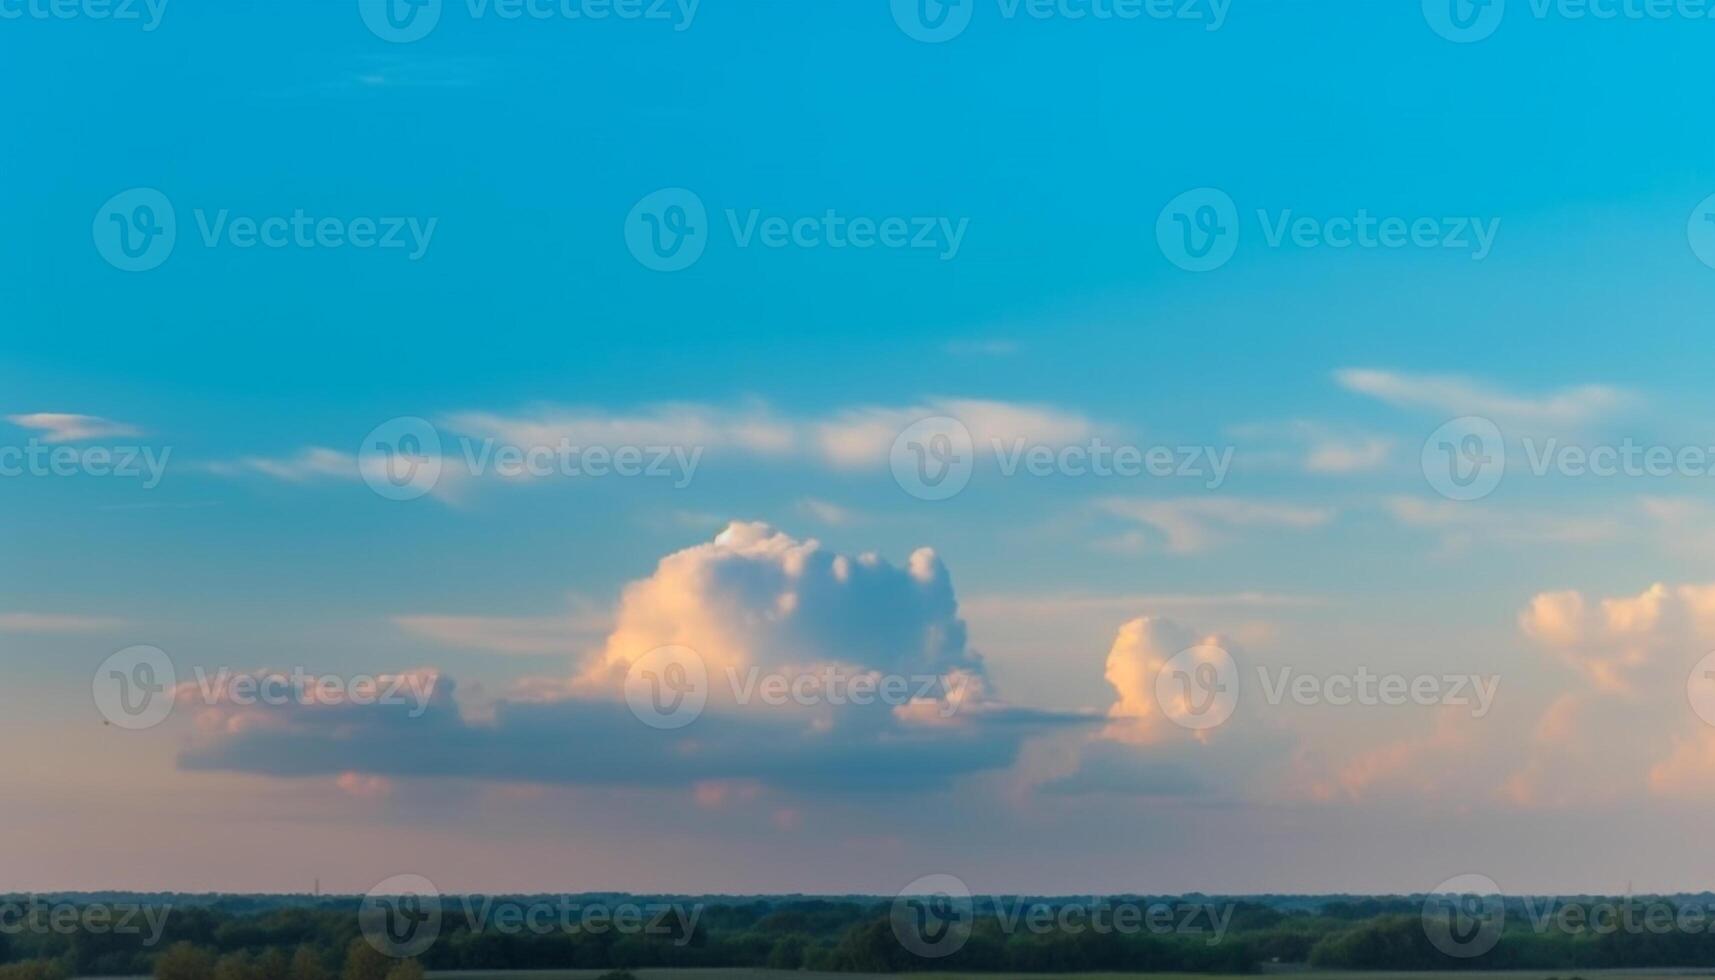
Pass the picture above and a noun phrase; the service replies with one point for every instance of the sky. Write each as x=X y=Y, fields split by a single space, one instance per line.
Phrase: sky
x=852 y=317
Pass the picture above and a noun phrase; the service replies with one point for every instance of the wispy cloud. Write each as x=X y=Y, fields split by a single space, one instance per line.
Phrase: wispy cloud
x=1194 y=524
x=66 y=427
x=1461 y=524
x=992 y=347
x=314 y=463
x=1316 y=448
x=828 y=513
x=1457 y=396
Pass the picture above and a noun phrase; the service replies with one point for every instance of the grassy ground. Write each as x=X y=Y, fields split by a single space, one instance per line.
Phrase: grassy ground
x=1293 y=975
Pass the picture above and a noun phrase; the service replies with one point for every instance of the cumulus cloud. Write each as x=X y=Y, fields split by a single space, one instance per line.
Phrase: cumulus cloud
x=754 y=601
x=1633 y=711
x=65 y=427
x=1141 y=750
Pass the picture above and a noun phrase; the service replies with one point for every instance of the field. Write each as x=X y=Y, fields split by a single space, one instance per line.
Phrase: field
x=1275 y=975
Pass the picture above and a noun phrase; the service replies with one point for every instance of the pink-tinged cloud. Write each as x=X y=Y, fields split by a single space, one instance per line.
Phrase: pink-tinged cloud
x=752 y=601
x=1634 y=713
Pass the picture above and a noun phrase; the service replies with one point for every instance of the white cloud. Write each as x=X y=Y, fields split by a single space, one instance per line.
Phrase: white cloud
x=751 y=598
x=1195 y=524
x=846 y=439
x=1457 y=396
x=1461 y=525
x=1628 y=713
x=62 y=427
x=1332 y=456
x=313 y=463
x=753 y=430
x=1315 y=447
x=828 y=513
x=860 y=437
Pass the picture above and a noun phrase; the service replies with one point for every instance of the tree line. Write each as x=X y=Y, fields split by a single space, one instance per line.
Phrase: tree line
x=247 y=939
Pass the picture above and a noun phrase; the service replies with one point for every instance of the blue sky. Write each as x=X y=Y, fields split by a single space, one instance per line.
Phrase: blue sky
x=1056 y=142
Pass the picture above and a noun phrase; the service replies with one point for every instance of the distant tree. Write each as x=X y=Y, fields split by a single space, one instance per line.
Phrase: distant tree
x=184 y=961
x=787 y=953
x=406 y=970
x=236 y=966
x=35 y=970
x=307 y=965
x=274 y=965
x=365 y=962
